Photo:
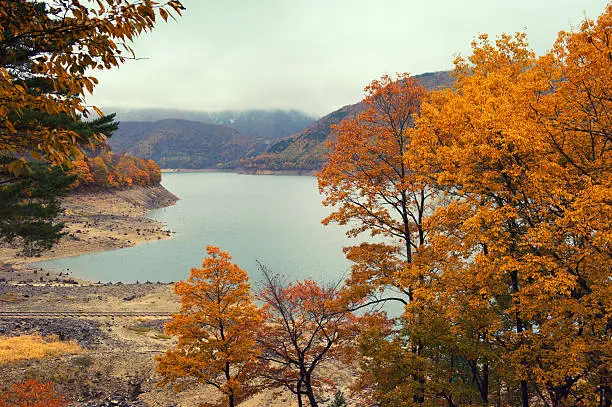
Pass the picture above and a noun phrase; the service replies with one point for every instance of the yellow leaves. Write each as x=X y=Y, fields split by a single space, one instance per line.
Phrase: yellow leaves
x=515 y=259
x=374 y=179
x=19 y=167
x=164 y=14
x=523 y=160
x=216 y=327
x=82 y=36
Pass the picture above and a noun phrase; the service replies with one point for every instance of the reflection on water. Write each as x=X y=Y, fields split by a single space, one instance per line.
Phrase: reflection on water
x=273 y=219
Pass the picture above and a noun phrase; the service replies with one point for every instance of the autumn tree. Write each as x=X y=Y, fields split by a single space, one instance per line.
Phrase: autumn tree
x=304 y=328
x=373 y=189
x=46 y=51
x=31 y=393
x=378 y=182
x=83 y=174
x=30 y=204
x=522 y=146
x=104 y=169
x=507 y=294
x=99 y=171
x=216 y=328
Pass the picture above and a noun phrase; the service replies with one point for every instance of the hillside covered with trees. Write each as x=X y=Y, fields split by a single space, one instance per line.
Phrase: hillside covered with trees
x=307 y=150
x=205 y=139
x=249 y=141
x=108 y=170
x=175 y=143
x=255 y=124
x=483 y=210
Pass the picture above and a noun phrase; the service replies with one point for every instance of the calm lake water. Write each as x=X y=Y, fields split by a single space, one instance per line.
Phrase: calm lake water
x=273 y=219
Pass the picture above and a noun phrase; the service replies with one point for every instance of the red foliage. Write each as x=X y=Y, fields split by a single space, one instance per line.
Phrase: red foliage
x=108 y=170
x=31 y=393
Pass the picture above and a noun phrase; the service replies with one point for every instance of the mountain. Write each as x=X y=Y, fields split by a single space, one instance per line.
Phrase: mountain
x=253 y=140
x=176 y=143
x=263 y=125
x=306 y=151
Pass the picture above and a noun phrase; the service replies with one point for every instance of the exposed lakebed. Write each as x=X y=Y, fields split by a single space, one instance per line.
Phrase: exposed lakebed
x=273 y=219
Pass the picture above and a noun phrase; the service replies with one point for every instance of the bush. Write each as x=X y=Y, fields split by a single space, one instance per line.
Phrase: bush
x=31 y=393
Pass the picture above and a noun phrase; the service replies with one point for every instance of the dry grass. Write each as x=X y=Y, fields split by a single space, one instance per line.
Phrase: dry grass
x=11 y=297
x=14 y=348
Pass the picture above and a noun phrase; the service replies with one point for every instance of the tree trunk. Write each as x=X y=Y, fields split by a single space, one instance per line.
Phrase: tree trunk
x=524 y=394
x=298 y=388
x=310 y=392
x=230 y=396
x=519 y=330
x=484 y=391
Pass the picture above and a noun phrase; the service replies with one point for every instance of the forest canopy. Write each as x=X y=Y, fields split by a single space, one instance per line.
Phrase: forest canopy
x=491 y=212
x=494 y=202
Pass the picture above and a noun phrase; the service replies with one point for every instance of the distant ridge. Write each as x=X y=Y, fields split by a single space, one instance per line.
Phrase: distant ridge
x=260 y=124
x=306 y=151
x=175 y=143
x=251 y=141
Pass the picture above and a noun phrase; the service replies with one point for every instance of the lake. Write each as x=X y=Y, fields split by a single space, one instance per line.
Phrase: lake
x=273 y=219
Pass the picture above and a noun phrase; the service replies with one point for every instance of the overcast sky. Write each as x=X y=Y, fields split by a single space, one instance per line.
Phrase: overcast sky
x=315 y=55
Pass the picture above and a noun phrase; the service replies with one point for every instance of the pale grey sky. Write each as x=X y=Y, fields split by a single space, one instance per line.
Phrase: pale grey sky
x=316 y=55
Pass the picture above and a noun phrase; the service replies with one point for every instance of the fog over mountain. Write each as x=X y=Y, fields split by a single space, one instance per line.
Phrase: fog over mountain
x=307 y=150
x=251 y=140
x=259 y=124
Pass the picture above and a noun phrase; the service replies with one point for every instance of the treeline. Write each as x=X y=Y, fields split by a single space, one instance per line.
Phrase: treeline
x=491 y=204
x=109 y=170
x=30 y=202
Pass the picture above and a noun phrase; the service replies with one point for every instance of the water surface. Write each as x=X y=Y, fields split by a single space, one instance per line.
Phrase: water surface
x=273 y=219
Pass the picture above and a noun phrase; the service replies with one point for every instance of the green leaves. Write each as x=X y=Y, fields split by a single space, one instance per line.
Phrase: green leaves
x=29 y=207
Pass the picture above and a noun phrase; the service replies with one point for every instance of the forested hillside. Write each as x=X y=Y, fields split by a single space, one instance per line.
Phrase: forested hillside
x=189 y=139
x=246 y=140
x=177 y=143
x=306 y=151
x=257 y=124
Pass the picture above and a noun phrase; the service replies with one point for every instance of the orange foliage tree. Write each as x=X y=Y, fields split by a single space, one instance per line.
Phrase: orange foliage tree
x=509 y=294
x=378 y=180
x=46 y=51
x=31 y=393
x=216 y=328
x=373 y=189
x=304 y=328
x=523 y=146
x=109 y=170
x=83 y=174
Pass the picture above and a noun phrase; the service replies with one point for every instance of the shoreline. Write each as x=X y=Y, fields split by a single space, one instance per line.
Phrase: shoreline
x=117 y=352
x=94 y=221
x=242 y=171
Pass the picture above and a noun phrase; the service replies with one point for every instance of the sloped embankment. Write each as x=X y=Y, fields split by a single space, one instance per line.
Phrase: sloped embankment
x=96 y=221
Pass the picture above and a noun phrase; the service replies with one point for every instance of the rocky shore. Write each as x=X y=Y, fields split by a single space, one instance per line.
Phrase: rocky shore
x=94 y=221
x=116 y=366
